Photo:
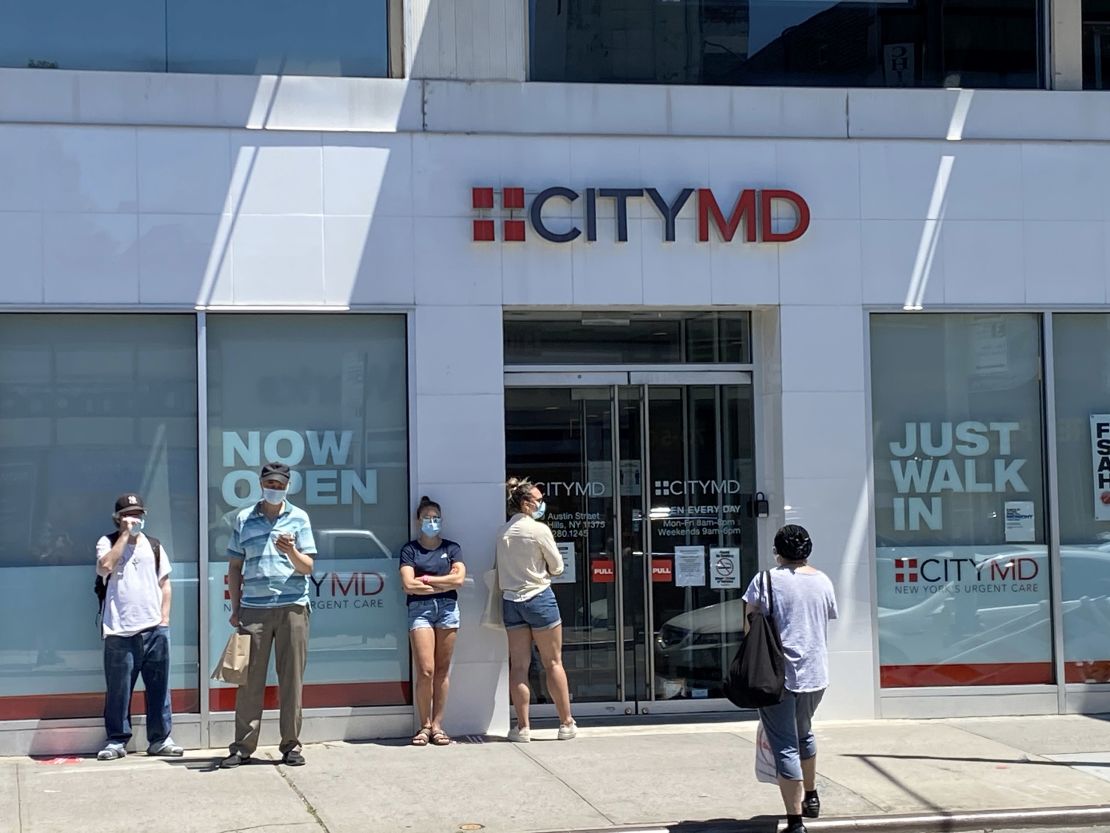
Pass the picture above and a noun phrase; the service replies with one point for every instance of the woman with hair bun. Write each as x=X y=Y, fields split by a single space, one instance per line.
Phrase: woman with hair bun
x=803 y=602
x=431 y=572
x=527 y=558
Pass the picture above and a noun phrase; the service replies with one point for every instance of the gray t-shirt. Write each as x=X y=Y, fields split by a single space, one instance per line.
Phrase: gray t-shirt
x=804 y=604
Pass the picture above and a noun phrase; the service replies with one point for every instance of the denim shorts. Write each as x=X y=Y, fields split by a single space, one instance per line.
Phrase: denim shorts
x=540 y=613
x=433 y=613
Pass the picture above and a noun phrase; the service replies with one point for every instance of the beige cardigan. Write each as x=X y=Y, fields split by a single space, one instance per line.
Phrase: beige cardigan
x=527 y=558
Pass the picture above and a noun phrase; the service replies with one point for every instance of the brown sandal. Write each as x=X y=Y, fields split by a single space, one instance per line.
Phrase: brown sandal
x=440 y=738
x=422 y=737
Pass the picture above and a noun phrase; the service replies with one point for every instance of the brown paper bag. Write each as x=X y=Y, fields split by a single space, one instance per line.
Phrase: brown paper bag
x=232 y=667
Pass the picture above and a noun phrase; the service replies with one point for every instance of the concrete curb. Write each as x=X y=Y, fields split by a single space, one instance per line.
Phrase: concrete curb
x=905 y=823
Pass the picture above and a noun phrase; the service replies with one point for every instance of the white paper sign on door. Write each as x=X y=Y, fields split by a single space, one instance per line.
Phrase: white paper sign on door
x=724 y=568
x=566 y=549
x=689 y=566
x=1019 y=521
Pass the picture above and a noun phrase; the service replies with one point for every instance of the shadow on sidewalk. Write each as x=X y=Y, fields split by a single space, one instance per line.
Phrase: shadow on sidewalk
x=756 y=824
x=867 y=759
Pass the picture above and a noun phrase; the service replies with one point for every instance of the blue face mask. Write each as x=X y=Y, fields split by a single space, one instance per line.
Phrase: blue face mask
x=430 y=527
x=540 y=510
x=136 y=527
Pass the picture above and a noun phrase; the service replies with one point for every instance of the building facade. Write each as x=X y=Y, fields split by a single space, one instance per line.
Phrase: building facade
x=700 y=269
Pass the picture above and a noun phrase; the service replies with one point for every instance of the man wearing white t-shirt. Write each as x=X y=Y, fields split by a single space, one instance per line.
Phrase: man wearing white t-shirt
x=136 y=630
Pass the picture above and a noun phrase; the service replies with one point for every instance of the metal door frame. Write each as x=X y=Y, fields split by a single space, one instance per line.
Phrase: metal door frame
x=614 y=379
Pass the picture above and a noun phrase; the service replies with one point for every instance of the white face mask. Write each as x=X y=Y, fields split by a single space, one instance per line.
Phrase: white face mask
x=274 y=496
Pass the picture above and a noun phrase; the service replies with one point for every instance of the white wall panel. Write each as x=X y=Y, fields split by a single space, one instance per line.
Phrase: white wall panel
x=678 y=273
x=183 y=171
x=460 y=438
x=91 y=259
x=823 y=266
x=852 y=686
x=20 y=168
x=602 y=274
x=366 y=175
x=827 y=174
x=451 y=268
x=88 y=169
x=277 y=260
x=276 y=173
x=537 y=273
x=982 y=262
x=1065 y=262
x=184 y=259
x=21 y=241
x=822 y=348
x=1065 y=181
x=901 y=262
x=369 y=260
x=459 y=351
x=823 y=434
x=744 y=273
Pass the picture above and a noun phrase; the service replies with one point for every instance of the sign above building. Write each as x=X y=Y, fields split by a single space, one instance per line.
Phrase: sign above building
x=753 y=207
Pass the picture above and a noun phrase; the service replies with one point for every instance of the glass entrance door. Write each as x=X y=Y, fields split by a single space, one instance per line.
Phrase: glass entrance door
x=648 y=487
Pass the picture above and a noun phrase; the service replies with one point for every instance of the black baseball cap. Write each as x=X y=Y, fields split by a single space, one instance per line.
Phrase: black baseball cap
x=276 y=471
x=130 y=502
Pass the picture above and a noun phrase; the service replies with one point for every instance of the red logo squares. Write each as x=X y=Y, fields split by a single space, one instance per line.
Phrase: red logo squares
x=513 y=230
x=909 y=565
x=482 y=198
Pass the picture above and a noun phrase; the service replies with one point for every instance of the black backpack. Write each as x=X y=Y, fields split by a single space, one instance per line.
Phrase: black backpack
x=757 y=676
x=101 y=585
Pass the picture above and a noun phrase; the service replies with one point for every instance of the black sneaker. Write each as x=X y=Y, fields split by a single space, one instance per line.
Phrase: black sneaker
x=233 y=760
x=811 y=807
x=795 y=828
x=293 y=758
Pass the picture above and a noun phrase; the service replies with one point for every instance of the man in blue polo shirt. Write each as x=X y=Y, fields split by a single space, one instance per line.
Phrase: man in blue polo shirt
x=270 y=558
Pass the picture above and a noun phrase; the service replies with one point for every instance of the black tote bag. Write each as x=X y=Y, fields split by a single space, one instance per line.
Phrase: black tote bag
x=757 y=675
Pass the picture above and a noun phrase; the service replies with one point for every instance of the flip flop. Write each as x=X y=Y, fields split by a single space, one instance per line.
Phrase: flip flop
x=441 y=738
x=422 y=737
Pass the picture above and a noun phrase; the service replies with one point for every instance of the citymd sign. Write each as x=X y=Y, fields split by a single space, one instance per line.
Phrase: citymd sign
x=752 y=207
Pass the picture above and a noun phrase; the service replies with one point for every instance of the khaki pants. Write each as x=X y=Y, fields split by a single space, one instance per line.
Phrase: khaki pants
x=287 y=628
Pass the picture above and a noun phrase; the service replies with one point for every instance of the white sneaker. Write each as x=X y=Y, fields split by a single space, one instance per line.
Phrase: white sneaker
x=111 y=752
x=517 y=735
x=166 y=749
x=568 y=730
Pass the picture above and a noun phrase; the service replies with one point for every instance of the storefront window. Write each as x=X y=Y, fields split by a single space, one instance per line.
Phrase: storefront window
x=887 y=43
x=1082 y=366
x=627 y=338
x=248 y=37
x=961 y=557
x=328 y=396
x=1096 y=44
x=91 y=406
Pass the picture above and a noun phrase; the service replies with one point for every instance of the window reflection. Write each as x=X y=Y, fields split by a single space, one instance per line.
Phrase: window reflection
x=248 y=37
x=890 y=43
x=1096 y=44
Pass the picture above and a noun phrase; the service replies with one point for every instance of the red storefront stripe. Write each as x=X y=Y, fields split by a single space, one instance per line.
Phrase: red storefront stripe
x=1093 y=671
x=323 y=696
x=85 y=704
x=187 y=700
x=990 y=673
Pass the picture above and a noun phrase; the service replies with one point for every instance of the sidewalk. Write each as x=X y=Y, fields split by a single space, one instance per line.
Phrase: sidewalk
x=657 y=777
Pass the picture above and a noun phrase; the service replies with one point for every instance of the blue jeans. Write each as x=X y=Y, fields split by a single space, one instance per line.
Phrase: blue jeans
x=125 y=658
x=789 y=729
